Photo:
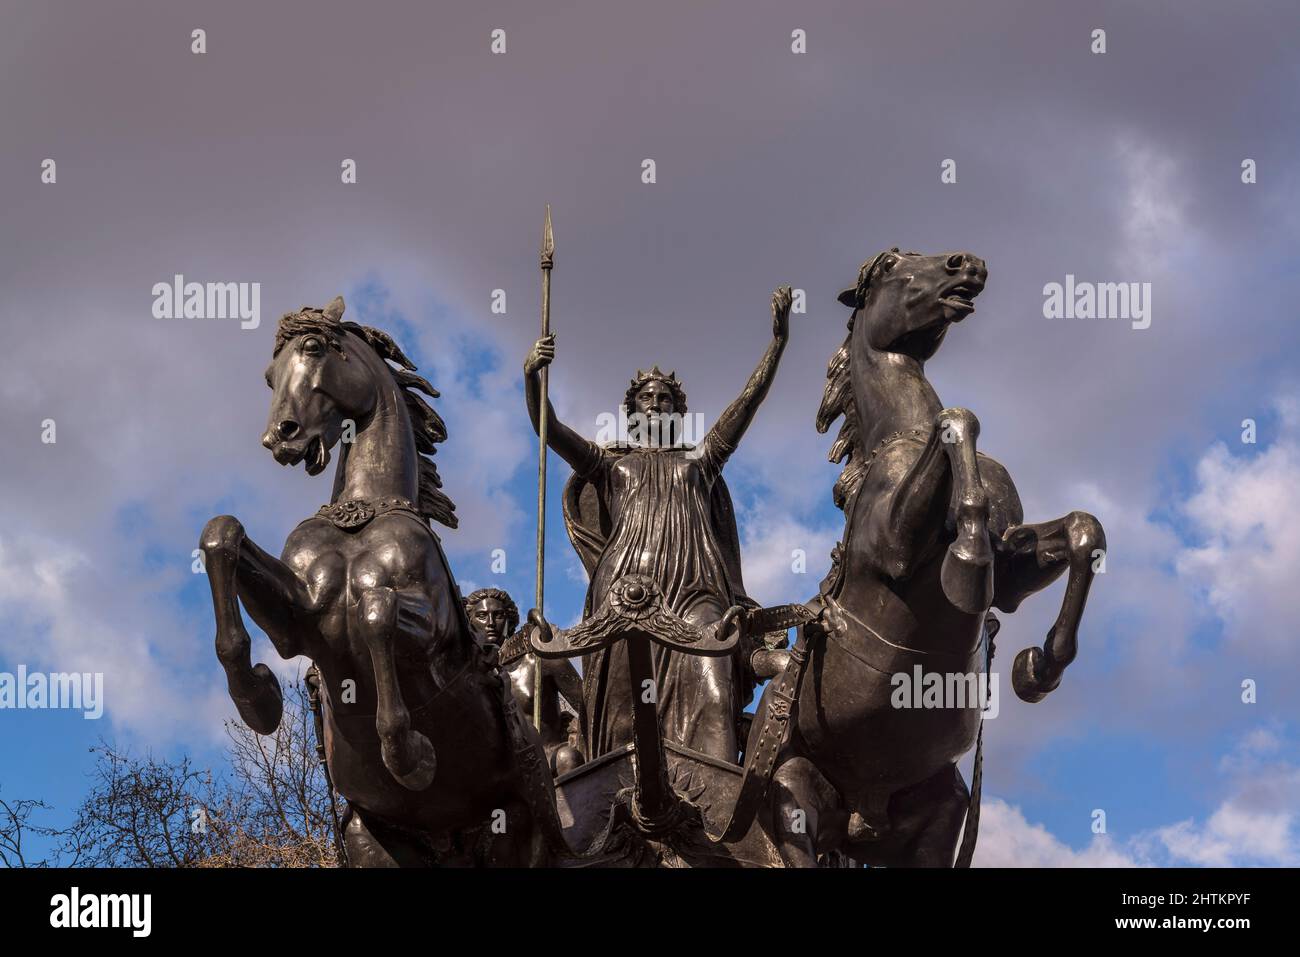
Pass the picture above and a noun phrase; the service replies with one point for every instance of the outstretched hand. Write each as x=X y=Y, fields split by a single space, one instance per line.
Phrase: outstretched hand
x=781 y=300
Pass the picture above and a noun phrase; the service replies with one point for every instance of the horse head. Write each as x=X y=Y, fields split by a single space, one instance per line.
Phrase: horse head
x=326 y=374
x=907 y=301
x=320 y=381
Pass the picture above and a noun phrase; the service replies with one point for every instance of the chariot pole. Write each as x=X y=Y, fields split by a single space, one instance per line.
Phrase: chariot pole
x=547 y=261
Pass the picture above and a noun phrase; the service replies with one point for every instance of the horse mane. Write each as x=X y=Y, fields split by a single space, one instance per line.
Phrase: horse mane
x=426 y=424
x=837 y=401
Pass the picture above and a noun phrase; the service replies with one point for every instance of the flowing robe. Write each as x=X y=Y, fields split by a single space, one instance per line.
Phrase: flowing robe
x=661 y=517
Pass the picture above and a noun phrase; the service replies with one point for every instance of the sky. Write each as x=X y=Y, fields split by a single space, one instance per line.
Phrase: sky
x=771 y=167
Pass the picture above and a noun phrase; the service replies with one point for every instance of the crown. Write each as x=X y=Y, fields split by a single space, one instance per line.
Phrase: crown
x=656 y=374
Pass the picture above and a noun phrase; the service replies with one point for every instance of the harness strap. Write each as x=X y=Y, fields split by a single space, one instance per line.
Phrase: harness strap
x=318 y=724
x=882 y=655
x=782 y=704
x=971 y=832
x=972 y=829
x=778 y=618
x=513 y=648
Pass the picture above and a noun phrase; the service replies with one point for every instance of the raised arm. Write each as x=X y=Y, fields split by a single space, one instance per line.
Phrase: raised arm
x=566 y=443
x=733 y=422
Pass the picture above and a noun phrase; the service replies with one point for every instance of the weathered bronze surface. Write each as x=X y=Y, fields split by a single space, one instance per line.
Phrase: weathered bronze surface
x=933 y=538
x=415 y=716
x=661 y=509
x=650 y=760
x=494 y=615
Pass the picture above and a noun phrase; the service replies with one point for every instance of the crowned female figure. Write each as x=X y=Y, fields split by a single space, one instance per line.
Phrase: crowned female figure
x=658 y=507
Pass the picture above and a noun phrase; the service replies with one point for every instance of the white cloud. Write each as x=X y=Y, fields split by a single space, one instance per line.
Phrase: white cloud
x=1152 y=222
x=1233 y=837
x=770 y=545
x=1257 y=824
x=62 y=615
x=1227 y=560
x=1247 y=558
x=1007 y=839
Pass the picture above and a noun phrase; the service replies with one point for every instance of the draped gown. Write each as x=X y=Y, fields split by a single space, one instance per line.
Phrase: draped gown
x=659 y=502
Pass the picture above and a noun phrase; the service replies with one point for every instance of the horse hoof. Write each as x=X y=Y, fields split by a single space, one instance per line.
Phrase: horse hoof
x=426 y=765
x=263 y=705
x=1028 y=676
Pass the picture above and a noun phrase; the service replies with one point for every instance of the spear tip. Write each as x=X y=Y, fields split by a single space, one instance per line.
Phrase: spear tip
x=548 y=241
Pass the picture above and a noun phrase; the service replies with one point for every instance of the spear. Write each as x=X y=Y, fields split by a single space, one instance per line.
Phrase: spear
x=548 y=260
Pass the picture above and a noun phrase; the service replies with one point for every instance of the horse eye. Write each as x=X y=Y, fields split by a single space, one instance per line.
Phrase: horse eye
x=311 y=347
x=889 y=264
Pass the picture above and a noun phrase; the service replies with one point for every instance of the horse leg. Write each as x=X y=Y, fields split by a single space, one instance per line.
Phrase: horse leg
x=406 y=753
x=801 y=805
x=1032 y=557
x=276 y=598
x=254 y=689
x=519 y=844
x=934 y=810
x=368 y=845
x=967 y=572
x=905 y=514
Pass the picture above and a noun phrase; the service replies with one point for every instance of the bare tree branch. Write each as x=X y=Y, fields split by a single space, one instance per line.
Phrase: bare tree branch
x=274 y=811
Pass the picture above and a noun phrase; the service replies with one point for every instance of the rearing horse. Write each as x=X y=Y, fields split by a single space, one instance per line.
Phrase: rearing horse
x=418 y=732
x=933 y=539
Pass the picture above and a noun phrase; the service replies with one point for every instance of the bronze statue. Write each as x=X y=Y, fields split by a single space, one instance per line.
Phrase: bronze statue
x=423 y=695
x=494 y=615
x=422 y=735
x=660 y=508
x=933 y=538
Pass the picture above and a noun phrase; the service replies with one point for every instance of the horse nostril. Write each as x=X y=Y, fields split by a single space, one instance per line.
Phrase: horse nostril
x=287 y=429
x=956 y=261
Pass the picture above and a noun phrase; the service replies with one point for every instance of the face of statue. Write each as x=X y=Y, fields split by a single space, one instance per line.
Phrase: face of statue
x=491 y=618
x=653 y=400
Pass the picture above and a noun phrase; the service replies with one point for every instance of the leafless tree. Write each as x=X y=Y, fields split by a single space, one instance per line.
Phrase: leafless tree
x=277 y=810
x=17 y=825
x=272 y=808
x=139 y=812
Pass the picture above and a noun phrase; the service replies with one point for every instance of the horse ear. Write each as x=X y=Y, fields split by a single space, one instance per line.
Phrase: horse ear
x=849 y=297
x=334 y=311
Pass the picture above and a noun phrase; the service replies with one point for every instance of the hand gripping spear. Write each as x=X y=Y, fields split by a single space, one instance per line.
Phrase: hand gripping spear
x=548 y=260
